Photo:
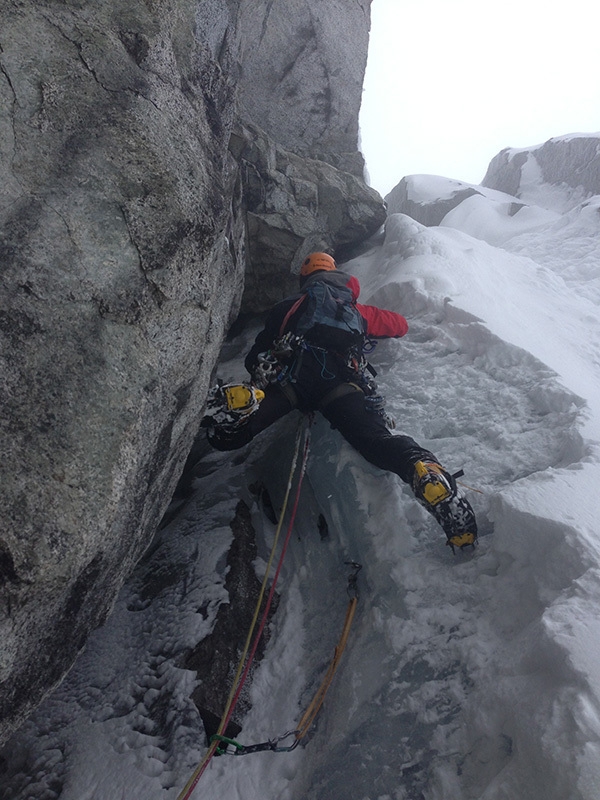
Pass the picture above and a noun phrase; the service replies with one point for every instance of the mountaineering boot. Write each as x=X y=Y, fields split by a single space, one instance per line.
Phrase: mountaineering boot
x=228 y=411
x=437 y=491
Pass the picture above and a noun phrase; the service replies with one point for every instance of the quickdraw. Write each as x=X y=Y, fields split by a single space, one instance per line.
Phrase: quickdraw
x=244 y=750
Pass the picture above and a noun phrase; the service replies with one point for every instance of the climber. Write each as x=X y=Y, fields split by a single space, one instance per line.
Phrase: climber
x=309 y=356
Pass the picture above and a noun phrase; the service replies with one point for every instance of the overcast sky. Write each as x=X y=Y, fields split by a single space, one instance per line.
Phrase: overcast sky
x=450 y=83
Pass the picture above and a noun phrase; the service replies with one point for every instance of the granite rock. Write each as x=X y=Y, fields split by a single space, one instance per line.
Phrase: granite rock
x=129 y=214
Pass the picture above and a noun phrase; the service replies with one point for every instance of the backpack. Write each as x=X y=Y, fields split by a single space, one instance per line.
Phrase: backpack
x=330 y=318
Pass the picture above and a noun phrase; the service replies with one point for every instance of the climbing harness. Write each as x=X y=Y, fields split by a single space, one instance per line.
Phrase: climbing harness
x=248 y=650
x=282 y=363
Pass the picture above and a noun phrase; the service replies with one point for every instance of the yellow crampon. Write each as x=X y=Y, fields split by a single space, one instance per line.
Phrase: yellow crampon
x=461 y=540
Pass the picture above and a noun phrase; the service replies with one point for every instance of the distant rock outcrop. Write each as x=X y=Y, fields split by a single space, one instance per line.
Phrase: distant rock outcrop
x=427 y=198
x=126 y=217
x=523 y=189
x=572 y=160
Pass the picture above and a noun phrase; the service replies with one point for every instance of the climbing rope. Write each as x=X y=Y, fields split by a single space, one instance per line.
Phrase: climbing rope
x=315 y=705
x=317 y=701
x=471 y=488
x=242 y=671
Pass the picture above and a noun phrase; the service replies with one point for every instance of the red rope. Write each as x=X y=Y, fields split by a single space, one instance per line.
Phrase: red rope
x=187 y=793
x=265 y=615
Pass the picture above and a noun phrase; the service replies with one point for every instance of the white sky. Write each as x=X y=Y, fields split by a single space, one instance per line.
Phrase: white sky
x=450 y=83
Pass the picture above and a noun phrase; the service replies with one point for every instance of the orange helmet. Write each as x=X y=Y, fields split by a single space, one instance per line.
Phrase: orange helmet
x=315 y=262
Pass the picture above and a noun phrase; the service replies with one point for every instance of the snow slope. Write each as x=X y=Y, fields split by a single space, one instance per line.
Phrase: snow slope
x=467 y=677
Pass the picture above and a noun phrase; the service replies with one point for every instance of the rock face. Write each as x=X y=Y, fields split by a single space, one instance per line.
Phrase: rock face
x=123 y=247
x=117 y=211
x=303 y=63
x=293 y=207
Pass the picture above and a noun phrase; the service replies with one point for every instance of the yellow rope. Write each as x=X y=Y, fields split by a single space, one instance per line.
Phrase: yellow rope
x=263 y=586
x=317 y=701
x=472 y=488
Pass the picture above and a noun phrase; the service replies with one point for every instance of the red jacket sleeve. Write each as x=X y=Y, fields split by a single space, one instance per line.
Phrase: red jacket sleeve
x=383 y=324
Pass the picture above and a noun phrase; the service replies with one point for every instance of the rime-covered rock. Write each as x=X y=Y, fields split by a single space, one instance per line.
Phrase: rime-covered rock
x=123 y=242
x=515 y=180
x=570 y=163
x=121 y=267
x=303 y=63
x=293 y=206
x=427 y=198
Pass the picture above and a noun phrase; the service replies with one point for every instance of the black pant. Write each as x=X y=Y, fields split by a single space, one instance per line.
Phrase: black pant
x=364 y=429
